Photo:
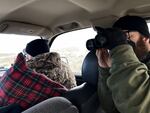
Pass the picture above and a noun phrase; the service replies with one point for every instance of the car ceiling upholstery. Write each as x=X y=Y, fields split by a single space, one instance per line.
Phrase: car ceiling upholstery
x=54 y=14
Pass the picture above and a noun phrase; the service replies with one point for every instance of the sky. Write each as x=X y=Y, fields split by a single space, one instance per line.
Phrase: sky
x=74 y=39
x=10 y=43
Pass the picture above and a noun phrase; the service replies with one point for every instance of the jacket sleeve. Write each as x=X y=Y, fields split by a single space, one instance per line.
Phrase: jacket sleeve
x=129 y=81
x=105 y=96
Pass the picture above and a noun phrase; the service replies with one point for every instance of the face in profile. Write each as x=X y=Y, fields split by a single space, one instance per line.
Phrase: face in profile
x=27 y=56
x=141 y=43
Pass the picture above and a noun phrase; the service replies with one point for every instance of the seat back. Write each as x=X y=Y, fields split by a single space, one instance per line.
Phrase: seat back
x=85 y=96
x=90 y=69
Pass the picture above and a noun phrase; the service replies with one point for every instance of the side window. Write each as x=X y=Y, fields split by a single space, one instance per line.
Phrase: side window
x=10 y=46
x=148 y=23
x=72 y=47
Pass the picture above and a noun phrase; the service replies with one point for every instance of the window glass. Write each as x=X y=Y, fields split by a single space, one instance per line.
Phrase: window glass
x=72 y=47
x=10 y=46
x=148 y=26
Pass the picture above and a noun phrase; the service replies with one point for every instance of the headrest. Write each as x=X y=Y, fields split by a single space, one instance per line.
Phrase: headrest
x=90 y=69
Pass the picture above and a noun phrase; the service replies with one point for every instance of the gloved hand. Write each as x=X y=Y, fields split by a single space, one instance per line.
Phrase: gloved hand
x=114 y=37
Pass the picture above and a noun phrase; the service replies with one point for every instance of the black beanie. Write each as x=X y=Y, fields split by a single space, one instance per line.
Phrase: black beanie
x=37 y=47
x=133 y=23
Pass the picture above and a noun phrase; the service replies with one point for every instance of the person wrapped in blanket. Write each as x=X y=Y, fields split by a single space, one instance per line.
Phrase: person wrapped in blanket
x=21 y=87
x=49 y=63
x=124 y=79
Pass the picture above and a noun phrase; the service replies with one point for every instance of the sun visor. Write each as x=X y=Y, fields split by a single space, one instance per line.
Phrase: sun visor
x=11 y=27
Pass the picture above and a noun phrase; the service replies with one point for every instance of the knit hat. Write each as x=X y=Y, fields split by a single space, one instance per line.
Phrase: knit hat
x=133 y=23
x=37 y=47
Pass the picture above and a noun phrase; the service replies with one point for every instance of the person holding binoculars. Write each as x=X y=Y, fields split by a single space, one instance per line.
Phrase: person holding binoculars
x=123 y=53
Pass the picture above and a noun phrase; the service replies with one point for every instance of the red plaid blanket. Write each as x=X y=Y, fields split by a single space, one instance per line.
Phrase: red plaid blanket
x=24 y=86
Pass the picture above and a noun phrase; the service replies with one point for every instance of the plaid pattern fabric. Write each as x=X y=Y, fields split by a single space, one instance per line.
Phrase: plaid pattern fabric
x=25 y=87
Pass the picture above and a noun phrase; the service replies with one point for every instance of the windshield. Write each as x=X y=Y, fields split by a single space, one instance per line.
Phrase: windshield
x=10 y=46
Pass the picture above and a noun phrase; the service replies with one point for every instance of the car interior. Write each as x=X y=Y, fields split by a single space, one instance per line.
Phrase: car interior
x=85 y=96
x=50 y=19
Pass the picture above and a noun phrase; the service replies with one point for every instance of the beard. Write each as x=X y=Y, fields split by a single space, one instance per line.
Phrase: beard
x=140 y=49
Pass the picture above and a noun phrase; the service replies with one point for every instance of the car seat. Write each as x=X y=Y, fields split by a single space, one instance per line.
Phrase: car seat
x=85 y=95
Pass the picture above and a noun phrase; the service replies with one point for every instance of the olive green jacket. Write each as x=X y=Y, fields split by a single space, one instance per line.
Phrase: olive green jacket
x=129 y=84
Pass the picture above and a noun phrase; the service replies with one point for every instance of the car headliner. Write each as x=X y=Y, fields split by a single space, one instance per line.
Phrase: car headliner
x=66 y=15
